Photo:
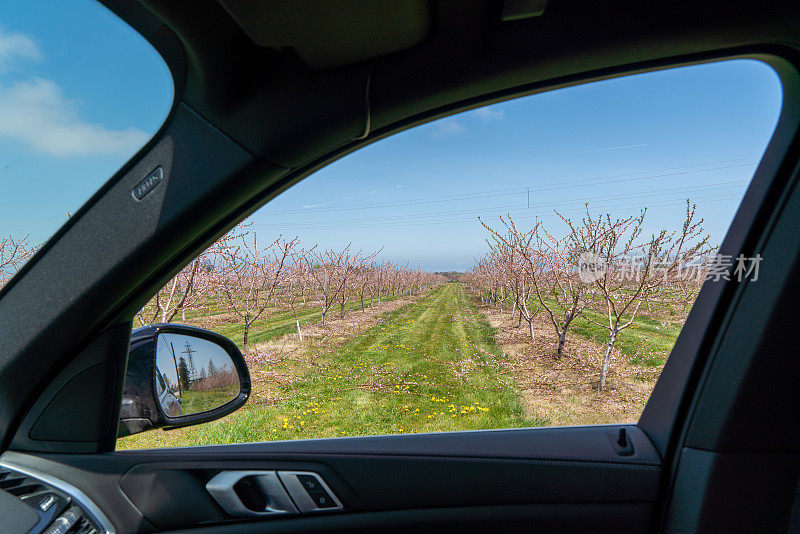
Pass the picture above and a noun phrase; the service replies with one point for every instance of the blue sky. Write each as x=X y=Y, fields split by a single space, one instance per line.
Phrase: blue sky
x=651 y=140
x=75 y=105
x=80 y=93
x=205 y=351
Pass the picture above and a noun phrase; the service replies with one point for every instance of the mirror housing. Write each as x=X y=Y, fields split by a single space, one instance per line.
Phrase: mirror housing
x=145 y=401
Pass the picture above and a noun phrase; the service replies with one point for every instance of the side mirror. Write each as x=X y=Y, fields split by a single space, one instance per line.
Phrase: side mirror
x=179 y=376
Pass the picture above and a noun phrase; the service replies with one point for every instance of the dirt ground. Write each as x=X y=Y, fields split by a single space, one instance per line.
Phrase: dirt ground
x=285 y=360
x=564 y=389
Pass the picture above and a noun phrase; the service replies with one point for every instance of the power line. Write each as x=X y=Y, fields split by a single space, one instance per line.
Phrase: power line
x=525 y=213
x=528 y=205
x=549 y=186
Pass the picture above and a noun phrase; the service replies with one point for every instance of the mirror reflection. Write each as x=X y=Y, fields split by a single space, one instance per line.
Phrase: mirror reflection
x=193 y=375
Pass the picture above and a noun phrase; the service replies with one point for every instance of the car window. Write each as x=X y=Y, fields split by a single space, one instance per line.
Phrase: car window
x=80 y=94
x=528 y=263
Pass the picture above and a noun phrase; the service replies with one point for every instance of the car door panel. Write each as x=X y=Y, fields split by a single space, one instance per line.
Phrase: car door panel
x=544 y=518
x=557 y=477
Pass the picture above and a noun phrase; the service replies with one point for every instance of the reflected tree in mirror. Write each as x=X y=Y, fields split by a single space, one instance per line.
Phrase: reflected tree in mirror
x=193 y=375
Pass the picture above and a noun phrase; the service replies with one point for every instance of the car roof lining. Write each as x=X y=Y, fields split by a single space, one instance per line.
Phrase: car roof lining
x=281 y=109
x=327 y=34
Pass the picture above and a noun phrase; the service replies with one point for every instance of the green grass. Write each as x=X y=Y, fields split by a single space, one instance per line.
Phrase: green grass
x=646 y=342
x=429 y=366
x=201 y=401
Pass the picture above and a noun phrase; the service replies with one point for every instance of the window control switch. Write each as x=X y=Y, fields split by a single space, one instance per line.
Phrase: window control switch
x=310 y=483
x=322 y=499
x=309 y=492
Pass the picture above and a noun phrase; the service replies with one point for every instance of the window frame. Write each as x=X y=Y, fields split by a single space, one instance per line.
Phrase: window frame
x=667 y=407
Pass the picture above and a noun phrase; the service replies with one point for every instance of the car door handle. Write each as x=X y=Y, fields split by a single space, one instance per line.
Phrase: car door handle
x=250 y=493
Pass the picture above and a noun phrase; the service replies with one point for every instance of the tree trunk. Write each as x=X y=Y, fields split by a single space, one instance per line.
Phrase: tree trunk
x=562 y=337
x=530 y=327
x=606 y=357
x=519 y=323
x=299 y=333
x=246 y=335
x=322 y=317
x=562 y=334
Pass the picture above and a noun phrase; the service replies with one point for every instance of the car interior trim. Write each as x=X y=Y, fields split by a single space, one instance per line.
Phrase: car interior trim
x=86 y=503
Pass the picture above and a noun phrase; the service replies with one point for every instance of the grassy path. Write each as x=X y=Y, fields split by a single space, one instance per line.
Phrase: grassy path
x=429 y=366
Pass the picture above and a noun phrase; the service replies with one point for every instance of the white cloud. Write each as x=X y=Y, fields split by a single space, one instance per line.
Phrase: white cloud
x=36 y=112
x=447 y=127
x=15 y=46
x=489 y=114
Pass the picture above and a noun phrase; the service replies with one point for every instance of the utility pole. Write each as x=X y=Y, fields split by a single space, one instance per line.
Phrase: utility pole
x=177 y=373
x=189 y=351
